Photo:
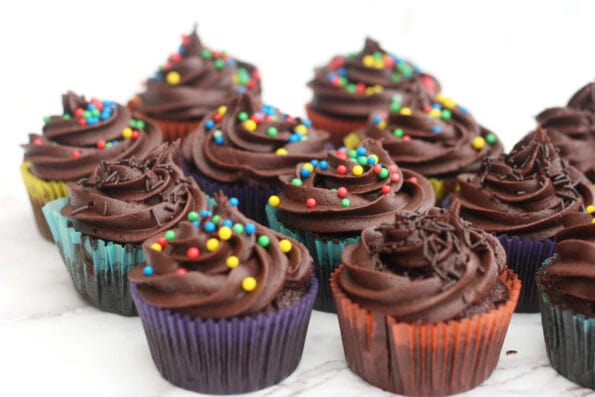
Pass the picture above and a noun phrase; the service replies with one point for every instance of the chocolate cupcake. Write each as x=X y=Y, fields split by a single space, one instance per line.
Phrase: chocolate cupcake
x=432 y=136
x=100 y=227
x=424 y=303
x=193 y=82
x=327 y=203
x=242 y=148
x=225 y=303
x=567 y=286
x=521 y=197
x=72 y=145
x=572 y=129
x=349 y=88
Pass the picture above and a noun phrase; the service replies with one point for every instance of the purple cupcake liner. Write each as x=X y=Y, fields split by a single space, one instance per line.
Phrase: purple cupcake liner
x=569 y=342
x=226 y=356
x=252 y=199
x=525 y=257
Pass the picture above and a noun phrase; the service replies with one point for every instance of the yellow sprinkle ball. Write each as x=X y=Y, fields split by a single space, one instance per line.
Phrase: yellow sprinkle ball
x=232 y=261
x=352 y=140
x=285 y=245
x=449 y=103
x=127 y=133
x=368 y=61
x=405 y=111
x=590 y=209
x=379 y=63
x=250 y=125
x=274 y=200
x=249 y=284
x=308 y=166
x=281 y=152
x=435 y=113
x=221 y=110
x=301 y=129
x=478 y=143
x=382 y=124
x=225 y=233
x=173 y=78
x=440 y=97
x=156 y=247
x=378 y=88
x=212 y=244
x=357 y=170
x=369 y=91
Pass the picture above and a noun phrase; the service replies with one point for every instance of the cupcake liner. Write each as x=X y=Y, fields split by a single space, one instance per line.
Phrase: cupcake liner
x=326 y=253
x=336 y=127
x=252 y=199
x=171 y=130
x=418 y=359
x=569 y=342
x=41 y=192
x=226 y=356
x=98 y=269
x=525 y=257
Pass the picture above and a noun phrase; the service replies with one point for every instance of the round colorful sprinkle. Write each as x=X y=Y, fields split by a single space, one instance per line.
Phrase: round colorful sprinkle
x=249 y=284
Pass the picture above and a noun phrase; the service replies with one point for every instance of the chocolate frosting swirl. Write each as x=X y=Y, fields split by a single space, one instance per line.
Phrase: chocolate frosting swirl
x=572 y=129
x=127 y=201
x=195 y=81
x=432 y=136
x=574 y=265
x=204 y=285
x=88 y=132
x=373 y=197
x=228 y=151
x=356 y=85
x=427 y=268
x=524 y=193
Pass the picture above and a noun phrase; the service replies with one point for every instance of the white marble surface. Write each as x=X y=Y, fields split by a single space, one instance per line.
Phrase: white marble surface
x=505 y=61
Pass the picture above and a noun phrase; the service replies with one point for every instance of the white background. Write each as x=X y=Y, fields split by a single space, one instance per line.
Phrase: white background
x=506 y=61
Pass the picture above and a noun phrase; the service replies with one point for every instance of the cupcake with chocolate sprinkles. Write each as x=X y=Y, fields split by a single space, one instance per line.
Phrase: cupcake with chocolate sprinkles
x=225 y=302
x=566 y=283
x=424 y=303
x=521 y=198
x=100 y=227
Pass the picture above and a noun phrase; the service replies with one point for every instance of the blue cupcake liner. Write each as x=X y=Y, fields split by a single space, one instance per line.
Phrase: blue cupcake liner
x=252 y=199
x=225 y=356
x=525 y=257
x=326 y=253
x=569 y=342
x=98 y=269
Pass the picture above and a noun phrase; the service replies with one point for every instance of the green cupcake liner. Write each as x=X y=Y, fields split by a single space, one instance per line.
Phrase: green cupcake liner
x=569 y=342
x=326 y=252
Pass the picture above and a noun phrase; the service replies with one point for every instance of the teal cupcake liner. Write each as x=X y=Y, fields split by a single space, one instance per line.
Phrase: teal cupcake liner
x=98 y=269
x=569 y=342
x=326 y=253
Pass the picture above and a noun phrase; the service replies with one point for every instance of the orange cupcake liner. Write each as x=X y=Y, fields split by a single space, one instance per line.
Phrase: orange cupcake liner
x=336 y=127
x=423 y=359
x=171 y=130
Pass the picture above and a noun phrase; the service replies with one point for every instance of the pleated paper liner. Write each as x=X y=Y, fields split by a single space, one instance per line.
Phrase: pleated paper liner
x=569 y=342
x=525 y=257
x=326 y=253
x=336 y=127
x=226 y=356
x=252 y=199
x=171 y=130
x=423 y=359
x=98 y=269
x=41 y=192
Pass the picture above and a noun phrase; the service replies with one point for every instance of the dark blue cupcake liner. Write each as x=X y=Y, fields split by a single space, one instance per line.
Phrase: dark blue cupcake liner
x=525 y=257
x=252 y=199
x=569 y=342
x=225 y=356
x=325 y=252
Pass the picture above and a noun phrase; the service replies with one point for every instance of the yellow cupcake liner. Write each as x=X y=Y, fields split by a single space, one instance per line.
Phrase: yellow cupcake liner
x=41 y=192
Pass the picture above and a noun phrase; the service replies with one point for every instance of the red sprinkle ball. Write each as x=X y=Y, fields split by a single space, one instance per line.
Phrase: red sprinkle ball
x=101 y=144
x=311 y=203
x=342 y=192
x=162 y=242
x=377 y=168
x=75 y=154
x=395 y=177
x=413 y=180
x=342 y=170
x=406 y=138
x=181 y=271
x=37 y=141
x=386 y=189
x=193 y=252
